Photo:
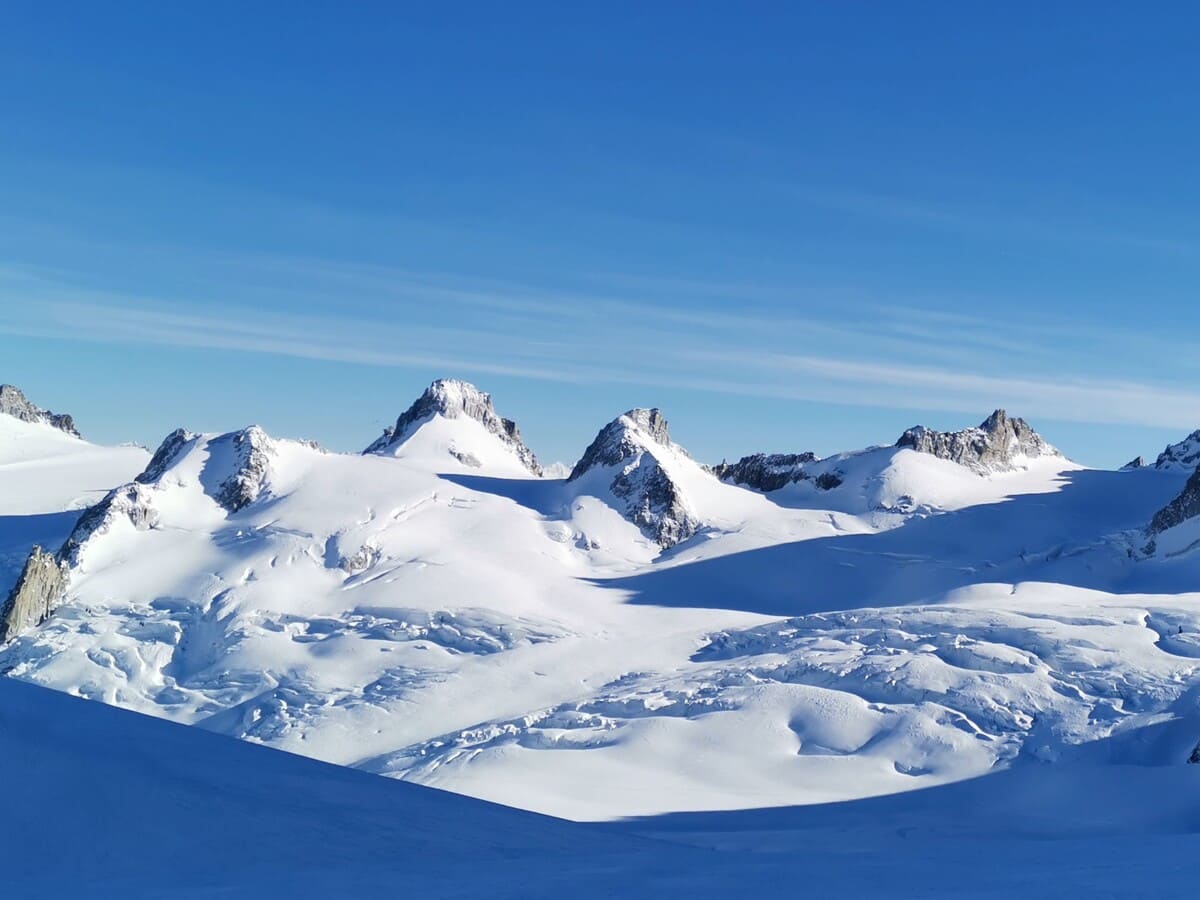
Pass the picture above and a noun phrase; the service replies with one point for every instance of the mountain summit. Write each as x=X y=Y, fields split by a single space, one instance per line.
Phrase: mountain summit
x=453 y=400
x=632 y=454
x=14 y=403
x=998 y=444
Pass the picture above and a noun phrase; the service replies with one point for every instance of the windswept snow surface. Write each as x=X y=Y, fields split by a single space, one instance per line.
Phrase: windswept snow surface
x=101 y=802
x=483 y=630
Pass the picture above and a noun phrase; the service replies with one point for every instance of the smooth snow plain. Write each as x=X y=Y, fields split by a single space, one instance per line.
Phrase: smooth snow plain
x=776 y=688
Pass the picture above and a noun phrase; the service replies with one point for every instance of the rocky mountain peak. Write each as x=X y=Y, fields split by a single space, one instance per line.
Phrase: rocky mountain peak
x=453 y=399
x=14 y=403
x=1181 y=457
x=630 y=448
x=625 y=437
x=998 y=444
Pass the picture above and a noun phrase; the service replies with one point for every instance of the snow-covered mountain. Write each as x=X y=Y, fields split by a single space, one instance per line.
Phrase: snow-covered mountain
x=1183 y=456
x=640 y=637
x=446 y=427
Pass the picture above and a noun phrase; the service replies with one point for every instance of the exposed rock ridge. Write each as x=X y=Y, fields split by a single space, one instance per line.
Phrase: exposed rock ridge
x=1179 y=510
x=14 y=403
x=453 y=399
x=132 y=502
x=766 y=471
x=625 y=438
x=39 y=589
x=252 y=450
x=998 y=444
x=166 y=455
x=1182 y=457
x=650 y=498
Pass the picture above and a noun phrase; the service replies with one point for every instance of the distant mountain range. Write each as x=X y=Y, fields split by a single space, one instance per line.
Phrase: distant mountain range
x=640 y=633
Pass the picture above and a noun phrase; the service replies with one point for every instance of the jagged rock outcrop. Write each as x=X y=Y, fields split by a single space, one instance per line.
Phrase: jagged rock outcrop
x=40 y=588
x=166 y=454
x=14 y=403
x=1179 y=510
x=1181 y=457
x=1136 y=463
x=453 y=399
x=629 y=448
x=766 y=471
x=998 y=444
x=252 y=450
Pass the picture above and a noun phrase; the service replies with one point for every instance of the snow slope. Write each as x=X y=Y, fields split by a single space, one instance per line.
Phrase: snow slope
x=111 y=804
x=525 y=639
x=47 y=478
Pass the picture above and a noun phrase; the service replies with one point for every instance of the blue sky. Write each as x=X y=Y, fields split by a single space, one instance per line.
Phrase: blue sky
x=791 y=226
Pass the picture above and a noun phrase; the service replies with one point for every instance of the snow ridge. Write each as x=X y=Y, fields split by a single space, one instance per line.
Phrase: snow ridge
x=14 y=403
x=452 y=399
x=998 y=444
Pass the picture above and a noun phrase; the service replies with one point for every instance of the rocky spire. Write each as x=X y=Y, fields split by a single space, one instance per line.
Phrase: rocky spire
x=38 y=590
x=624 y=438
x=626 y=453
x=998 y=444
x=16 y=404
x=453 y=399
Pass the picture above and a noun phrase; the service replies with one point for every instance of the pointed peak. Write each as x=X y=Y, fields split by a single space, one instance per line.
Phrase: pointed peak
x=650 y=422
x=624 y=437
x=165 y=456
x=13 y=402
x=997 y=421
x=452 y=398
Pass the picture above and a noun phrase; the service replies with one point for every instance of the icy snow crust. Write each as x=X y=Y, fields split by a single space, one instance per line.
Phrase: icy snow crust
x=520 y=639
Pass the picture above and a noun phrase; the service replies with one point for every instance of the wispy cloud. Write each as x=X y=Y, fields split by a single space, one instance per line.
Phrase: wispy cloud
x=896 y=358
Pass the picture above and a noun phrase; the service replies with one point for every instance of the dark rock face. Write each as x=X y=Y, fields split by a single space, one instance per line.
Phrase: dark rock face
x=766 y=471
x=40 y=588
x=452 y=399
x=648 y=497
x=1136 y=463
x=1179 y=510
x=252 y=451
x=166 y=454
x=14 y=403
x=995 y=446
